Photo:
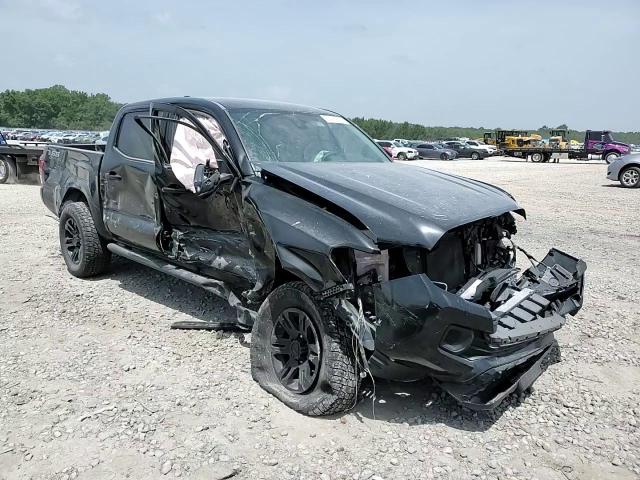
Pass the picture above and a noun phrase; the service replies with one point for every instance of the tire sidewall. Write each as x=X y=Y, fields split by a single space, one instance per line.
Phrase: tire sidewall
x=10 y=170
x=5 y=177
x=69 y=211
x=610 y=157
x=475 y=156
x=637 y=184
x=262 y=366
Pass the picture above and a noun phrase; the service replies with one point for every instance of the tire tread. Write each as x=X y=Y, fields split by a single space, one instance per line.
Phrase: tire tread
x=96 y=257
x=338 y=358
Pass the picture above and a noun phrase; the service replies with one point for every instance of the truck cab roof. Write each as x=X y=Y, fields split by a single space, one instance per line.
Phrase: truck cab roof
x=233 y=104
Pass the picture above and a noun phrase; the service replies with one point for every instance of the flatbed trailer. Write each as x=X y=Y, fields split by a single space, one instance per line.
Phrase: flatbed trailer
x=598 y=143
x=546 y=154
x=19 y=160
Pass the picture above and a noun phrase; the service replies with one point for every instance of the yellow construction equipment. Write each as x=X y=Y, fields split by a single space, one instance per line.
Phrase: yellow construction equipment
x=558 y=138
x=516 y=139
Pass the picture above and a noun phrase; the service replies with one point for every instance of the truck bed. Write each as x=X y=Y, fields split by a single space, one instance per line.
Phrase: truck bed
x=70 y=171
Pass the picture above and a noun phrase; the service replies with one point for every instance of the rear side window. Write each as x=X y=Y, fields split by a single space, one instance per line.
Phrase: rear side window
x=595 y=136
x=133 y=140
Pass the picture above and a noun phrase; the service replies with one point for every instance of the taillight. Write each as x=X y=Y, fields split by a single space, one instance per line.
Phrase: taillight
x=41 y=161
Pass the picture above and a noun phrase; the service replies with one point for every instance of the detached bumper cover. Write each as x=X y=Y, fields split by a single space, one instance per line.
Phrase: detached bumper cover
x=490 y=388
x=504 y=347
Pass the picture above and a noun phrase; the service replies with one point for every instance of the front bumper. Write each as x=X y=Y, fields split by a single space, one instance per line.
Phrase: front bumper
x=491 y=387
x=507 y=345
x=613 y=173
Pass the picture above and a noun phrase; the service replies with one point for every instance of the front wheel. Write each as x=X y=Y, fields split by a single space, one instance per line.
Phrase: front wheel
x=401 y=156
x=444 y=156
x=610 y=157
x=475 y=156
x=630 y=177
x=83 y=250
x=303 y=354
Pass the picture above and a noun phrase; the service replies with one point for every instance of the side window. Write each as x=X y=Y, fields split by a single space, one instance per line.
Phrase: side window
x=595 y=136
x=190 y=149
x=132 y=140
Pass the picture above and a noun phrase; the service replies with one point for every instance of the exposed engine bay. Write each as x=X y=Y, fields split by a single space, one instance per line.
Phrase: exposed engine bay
x=463 y=312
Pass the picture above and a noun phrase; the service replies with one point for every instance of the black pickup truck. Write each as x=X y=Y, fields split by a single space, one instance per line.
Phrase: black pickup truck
x=342 y=263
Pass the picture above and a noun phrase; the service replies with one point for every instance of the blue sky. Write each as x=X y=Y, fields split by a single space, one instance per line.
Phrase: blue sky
x=468 y=63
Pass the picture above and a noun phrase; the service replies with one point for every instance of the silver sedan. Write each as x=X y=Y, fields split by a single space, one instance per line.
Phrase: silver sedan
x=626 y=170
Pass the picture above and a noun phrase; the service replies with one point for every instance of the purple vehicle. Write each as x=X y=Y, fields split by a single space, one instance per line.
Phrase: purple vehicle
x=602 y=143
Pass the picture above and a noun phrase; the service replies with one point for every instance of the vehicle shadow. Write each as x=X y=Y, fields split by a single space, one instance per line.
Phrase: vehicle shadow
x=425 y=403
x=177 y=295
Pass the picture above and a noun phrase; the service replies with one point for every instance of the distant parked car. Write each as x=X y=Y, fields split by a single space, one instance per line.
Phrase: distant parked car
x=402 y=152
x=465 y=150
x=385 y=144
x=397 y=150
x=491 y=149
x=432 y=150
x=626 y=170
x=27 y=136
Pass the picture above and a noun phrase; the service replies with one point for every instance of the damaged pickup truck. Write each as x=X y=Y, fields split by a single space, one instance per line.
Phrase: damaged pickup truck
x=342 y=263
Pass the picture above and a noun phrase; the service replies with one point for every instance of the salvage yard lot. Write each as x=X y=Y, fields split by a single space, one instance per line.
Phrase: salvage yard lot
x=93 y=384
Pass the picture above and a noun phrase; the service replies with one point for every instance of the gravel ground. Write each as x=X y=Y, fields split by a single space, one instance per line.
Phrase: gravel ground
x=93 y=384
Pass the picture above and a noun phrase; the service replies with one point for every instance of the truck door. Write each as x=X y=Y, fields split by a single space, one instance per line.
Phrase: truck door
x=594 y=142
x=130 y=201
x=203 y=234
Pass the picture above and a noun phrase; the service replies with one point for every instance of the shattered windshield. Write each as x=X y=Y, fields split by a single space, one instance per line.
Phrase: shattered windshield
x=285 y=136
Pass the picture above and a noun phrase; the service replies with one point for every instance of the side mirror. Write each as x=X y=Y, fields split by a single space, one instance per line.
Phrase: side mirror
x=207 y=179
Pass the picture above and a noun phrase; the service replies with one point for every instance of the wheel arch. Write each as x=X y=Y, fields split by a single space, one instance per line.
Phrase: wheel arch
x=72 y=195
x=73 y=192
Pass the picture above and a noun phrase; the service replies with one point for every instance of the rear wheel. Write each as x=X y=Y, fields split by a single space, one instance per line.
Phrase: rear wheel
x=475 y=156
x=630 y=177
x=7 y=170
x=610 y=157
x=84 y=252
x=302 y=353
x=537 y=157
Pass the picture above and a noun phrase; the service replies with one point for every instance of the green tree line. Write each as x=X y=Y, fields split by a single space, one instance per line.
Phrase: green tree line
x=59 y=108
x=56 y=108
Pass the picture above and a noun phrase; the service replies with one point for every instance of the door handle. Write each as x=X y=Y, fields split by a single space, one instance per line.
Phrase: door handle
x=113 y=175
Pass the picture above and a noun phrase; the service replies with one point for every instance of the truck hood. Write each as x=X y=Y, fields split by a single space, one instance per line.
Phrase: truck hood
x=398 y=204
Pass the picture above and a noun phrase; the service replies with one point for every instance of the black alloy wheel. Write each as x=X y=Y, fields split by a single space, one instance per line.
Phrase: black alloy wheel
x=295 y=350
x=72 y=240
